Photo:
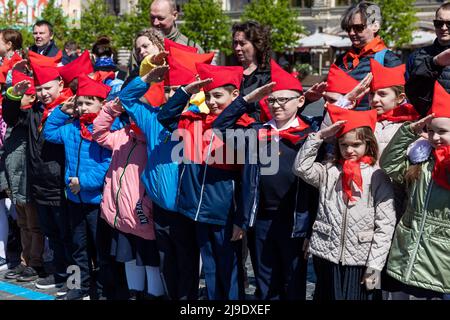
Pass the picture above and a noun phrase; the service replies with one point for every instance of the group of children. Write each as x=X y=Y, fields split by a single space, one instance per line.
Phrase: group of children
x=157 y=188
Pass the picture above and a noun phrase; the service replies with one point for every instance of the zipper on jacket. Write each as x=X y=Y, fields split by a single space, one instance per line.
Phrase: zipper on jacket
x=254 y=206
x=422 y=225
x=120 y=183
x=78 y=167
x=295 y=208
x=344 y=230
x=204 y=177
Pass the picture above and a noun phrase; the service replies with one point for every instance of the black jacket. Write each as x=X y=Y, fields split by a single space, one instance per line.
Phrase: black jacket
x=422 y=73
x=293 y=200
x=45 y=160
x=50 y=51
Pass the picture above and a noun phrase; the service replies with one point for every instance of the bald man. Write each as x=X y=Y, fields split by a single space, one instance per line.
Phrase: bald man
x=163 y=14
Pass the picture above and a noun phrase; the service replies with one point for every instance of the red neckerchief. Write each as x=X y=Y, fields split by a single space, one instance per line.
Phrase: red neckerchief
x=65 y=94
x=290 y=134
x=136 y=129
x=441 y=170
x=372 y=47
x=27 y=107
x=155 y=94
x=85 y=119
x=197 y=140
x=352 y=173
x=101 y=76
x=401 y=113
x=7 y=65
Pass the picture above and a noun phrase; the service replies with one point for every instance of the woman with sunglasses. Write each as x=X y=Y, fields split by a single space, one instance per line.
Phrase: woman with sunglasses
x=431 y=63
x=362 y=22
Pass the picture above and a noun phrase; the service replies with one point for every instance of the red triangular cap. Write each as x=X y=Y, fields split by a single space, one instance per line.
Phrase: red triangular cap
x=339 y=81
x=384 y=77
x=44 y=61
x=169 y=44
x=355 y=119
x=284 y=80
x=82 y=64
x=221 y=75
x=182 y=66
x=441 y=102
x=19 y=76
x=90 y=87
x=43 y=75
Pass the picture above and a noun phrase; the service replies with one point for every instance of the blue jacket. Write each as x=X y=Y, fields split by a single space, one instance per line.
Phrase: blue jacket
x=206 y=193
x=84 y=159
x=160 y=177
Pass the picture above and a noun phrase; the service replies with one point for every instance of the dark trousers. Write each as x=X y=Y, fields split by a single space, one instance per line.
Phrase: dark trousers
x=83 y=226
x=178 y=253
x=279 y=266
x=54 y=222
x=222 y=261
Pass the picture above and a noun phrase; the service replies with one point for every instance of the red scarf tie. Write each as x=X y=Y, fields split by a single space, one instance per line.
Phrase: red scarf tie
x=101 y=76
x=352 y=173
x=290 y=134
x=441 y=170
x=86 y=119
x=372 y=47
x=401 y=113
x=136 y=129
x=48 y=108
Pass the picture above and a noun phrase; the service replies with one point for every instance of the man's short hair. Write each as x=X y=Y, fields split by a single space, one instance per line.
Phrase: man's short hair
x=444 y=6
x=172 y=4
x=370 y=13
x=40 y=23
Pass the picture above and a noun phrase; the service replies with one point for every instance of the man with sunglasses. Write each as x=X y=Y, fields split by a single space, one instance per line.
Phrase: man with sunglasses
x=428 y=64
x=362 y=22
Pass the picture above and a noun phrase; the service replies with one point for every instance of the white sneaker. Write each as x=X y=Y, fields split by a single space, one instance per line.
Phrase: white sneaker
x=3 y=264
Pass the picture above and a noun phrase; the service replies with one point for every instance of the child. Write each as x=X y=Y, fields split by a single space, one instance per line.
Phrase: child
x=207 y=187
x=419 y=253
x=179 y=257
x=284 y=205
x=14 y=154
x=10 y=46
x=86 y=166
x=45 y=159
x=355 y=221
x=125 y=204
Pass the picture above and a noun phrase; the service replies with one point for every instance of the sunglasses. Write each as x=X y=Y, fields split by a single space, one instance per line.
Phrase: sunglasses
x=440 y=23
x=358 y=28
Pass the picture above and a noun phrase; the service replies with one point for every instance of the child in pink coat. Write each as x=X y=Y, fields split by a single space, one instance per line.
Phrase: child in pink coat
x=125 y=205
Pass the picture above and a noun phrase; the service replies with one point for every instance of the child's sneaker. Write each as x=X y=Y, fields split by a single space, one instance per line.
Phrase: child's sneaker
x=74 y=294
x=3 y=264
x=15 y=272
x=62 y=291
x=28 y=275
x=50 y=282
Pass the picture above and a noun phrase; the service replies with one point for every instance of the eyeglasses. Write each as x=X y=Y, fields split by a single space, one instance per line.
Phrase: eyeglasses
x=358 y=28
x=280 y=100
x=440 y=23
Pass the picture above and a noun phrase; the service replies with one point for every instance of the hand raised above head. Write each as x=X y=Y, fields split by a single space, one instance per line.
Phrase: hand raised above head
x=21 y=87
x=418 y=126
x=159 y=58
x=316 y=91
x=259 y=93
x=361 y=89
x=155 y=75
x=194 y=87
x=331 y=130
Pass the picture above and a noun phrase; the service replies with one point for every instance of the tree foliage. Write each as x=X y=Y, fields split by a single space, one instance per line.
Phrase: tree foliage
x=280 y=17
x=56 y=17
x=399 y=18
x=207 y=24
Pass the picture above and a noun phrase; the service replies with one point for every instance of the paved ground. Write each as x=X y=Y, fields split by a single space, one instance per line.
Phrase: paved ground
x=13 y=290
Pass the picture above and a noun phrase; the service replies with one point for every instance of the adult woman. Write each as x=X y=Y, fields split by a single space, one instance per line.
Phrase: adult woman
x=251 y=45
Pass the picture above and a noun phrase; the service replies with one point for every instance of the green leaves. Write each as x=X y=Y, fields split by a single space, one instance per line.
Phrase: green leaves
x=281 y=17
x=56 y=17
x=207 y=24
x=399 y=18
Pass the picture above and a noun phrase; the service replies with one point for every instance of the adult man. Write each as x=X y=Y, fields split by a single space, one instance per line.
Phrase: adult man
x=43 y=39
x=163 y=14
x=428 y=64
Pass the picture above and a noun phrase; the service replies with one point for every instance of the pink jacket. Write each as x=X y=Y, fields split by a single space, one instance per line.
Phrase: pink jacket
x=125 y=206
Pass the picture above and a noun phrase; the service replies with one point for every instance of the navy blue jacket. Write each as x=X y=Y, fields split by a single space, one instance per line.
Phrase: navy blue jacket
x=282 y=193
x=206 y=194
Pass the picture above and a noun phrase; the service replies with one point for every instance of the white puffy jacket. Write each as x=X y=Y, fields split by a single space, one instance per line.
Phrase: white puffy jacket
x=357 y=233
